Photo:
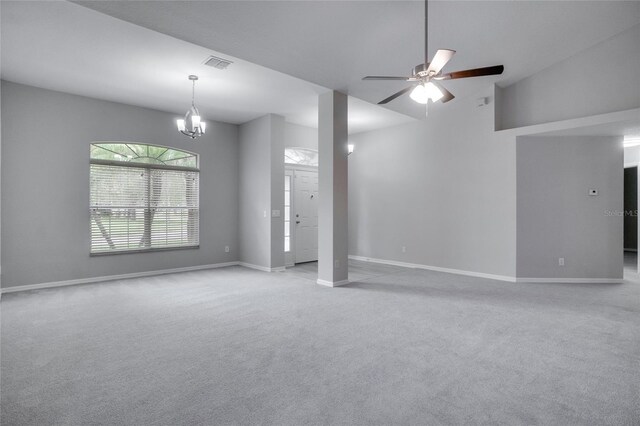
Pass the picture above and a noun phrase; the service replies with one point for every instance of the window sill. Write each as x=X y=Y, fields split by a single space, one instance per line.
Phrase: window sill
x=147 y=250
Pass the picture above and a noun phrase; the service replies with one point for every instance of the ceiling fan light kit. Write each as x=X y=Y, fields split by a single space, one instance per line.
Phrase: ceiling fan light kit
x=423 y=93
x=425 y=77
x=191 y=125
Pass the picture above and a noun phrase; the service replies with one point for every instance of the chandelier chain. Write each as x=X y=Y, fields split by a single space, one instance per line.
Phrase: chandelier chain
x=193 y=93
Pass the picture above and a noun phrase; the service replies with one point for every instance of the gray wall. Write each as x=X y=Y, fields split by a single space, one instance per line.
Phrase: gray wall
x=556 y=216
x=443 y=187
x=631 y=208
x=45 y=185
x=601 y=79
x=261 y=191
x=296 y=135
x=277 y=190
x=255 y=192
x=0 y=188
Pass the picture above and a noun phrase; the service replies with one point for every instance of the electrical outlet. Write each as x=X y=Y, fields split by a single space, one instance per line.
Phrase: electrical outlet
x=561 y=261
x=264 y=213
x=404 y=249
x=226 y=249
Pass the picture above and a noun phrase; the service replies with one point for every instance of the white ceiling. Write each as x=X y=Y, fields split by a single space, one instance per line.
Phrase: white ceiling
x=335 y=43
x=63 y=46
x=332 y=44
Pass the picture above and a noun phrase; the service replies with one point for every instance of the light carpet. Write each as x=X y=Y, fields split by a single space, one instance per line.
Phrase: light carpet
x=239 y=347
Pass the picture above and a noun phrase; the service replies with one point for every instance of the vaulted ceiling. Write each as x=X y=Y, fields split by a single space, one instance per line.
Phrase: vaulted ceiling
x=335 y=43
x=286 y=52
x=62 y=46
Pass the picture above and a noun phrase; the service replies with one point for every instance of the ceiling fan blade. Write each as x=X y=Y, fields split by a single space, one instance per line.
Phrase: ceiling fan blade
x=447 y=94
x=384 y=77
x=439 y=60
x=476 y=72
x=395 y=95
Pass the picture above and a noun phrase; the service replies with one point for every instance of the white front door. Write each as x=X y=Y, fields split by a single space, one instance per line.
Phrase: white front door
x=305 y=217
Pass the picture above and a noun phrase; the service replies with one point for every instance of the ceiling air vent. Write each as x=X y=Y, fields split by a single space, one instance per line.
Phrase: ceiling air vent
x=218 y=63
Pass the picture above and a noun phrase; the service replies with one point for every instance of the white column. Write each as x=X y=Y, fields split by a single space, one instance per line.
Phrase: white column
x=333 y=236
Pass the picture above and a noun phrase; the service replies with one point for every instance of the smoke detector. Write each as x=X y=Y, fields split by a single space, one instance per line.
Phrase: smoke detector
x=218 y=63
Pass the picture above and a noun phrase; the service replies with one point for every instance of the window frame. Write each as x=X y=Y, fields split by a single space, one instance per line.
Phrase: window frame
x=149 y=166
x=288 y=193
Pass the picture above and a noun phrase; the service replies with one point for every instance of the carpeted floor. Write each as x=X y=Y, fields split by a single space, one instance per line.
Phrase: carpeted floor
x=236 y=346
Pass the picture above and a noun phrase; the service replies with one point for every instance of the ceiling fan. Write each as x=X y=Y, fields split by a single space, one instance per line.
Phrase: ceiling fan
x=424 y=77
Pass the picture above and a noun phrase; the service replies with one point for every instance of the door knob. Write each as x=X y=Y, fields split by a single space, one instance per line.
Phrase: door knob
x=297 y=222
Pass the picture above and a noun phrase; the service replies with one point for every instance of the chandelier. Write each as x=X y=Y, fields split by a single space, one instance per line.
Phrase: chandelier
x=191 y=125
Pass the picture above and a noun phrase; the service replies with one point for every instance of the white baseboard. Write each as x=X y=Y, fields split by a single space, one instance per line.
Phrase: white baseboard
x=490 y=276
x=435 y=268
x=571 y=280
x=332 y=283
x=262 y=268
x=114 y=277
x=384 y=261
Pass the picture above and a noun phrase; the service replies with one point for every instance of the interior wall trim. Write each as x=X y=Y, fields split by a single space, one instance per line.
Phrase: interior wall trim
x=572 y=123
x=435 y=268
x=332 y=283
x=571 y=280
x=490 y=276
x=262 y=268
x=92 y=280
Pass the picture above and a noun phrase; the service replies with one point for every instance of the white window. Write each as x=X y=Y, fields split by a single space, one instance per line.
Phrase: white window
x=287 y=213
x=143 y=198
x=301 y=156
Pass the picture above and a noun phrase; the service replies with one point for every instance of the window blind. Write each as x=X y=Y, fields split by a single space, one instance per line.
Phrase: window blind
x=143 y=208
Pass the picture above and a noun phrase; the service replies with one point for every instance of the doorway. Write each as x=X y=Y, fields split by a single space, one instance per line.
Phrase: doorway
x=301 y=215
x=301 y=205
x=631 y=218
x=305 y=215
